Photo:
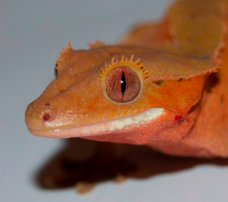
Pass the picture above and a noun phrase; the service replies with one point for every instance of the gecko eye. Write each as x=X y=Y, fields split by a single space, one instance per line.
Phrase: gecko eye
x=122 y=84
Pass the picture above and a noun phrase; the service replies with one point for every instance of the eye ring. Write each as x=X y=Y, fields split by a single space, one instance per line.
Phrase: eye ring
x=122 y=85
x=123 y=79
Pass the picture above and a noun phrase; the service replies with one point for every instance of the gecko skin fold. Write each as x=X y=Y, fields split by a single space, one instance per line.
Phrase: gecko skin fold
x=163 y=85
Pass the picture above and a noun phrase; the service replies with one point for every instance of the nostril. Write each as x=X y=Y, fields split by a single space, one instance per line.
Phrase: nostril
x=46 y=117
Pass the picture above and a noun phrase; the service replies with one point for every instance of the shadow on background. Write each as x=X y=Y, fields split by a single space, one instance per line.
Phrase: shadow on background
x=93 y=162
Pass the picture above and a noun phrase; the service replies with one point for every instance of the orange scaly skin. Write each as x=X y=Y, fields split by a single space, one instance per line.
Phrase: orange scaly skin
x=173 y=97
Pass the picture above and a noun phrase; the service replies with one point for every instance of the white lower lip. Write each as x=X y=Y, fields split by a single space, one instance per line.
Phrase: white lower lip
x=103 y=127
x=135 y=120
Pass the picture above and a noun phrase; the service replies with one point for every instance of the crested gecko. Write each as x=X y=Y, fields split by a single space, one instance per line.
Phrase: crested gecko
x=164 y=85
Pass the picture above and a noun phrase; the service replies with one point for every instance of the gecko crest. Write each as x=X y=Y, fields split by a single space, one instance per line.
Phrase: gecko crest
x=96 y=44
x=124 y=62
x=62 y=58
x=64 y=51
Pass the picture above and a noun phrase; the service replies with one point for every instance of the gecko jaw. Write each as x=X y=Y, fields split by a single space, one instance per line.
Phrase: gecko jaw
x=103 y=127
x=135 y=120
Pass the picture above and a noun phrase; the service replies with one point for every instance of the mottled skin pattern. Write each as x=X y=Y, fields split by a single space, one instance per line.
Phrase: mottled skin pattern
x=185 y=59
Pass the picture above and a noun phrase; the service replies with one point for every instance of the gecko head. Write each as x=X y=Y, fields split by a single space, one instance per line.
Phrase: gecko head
x=118 y=94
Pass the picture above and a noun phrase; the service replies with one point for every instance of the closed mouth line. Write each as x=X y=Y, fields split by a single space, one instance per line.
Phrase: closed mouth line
x=107 y=126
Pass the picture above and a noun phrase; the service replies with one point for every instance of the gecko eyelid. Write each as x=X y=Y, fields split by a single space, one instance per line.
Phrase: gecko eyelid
x=136 y=65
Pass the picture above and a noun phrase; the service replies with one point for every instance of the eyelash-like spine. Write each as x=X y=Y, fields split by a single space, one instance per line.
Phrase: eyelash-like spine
x=126 y=62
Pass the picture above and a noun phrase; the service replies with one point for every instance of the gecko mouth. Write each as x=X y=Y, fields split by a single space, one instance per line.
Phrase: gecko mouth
x=103 y=127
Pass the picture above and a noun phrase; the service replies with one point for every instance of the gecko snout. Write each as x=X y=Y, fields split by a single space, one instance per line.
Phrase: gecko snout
x=38 y=116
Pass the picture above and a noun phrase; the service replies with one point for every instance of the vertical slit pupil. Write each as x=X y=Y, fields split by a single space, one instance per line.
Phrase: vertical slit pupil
x=123 y=84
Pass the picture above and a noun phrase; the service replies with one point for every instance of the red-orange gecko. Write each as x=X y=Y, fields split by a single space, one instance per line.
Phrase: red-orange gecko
x=163 y=86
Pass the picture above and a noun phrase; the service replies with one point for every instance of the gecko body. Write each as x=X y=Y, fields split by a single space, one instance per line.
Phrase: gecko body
x=163 y=85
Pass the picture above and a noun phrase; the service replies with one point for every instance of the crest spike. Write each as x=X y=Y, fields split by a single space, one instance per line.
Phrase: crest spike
x=113 y=61
x=137 y=61
x=96 y=44
x=63 y=51
x=122 y=58
x=131 y=58
x=69 y=47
